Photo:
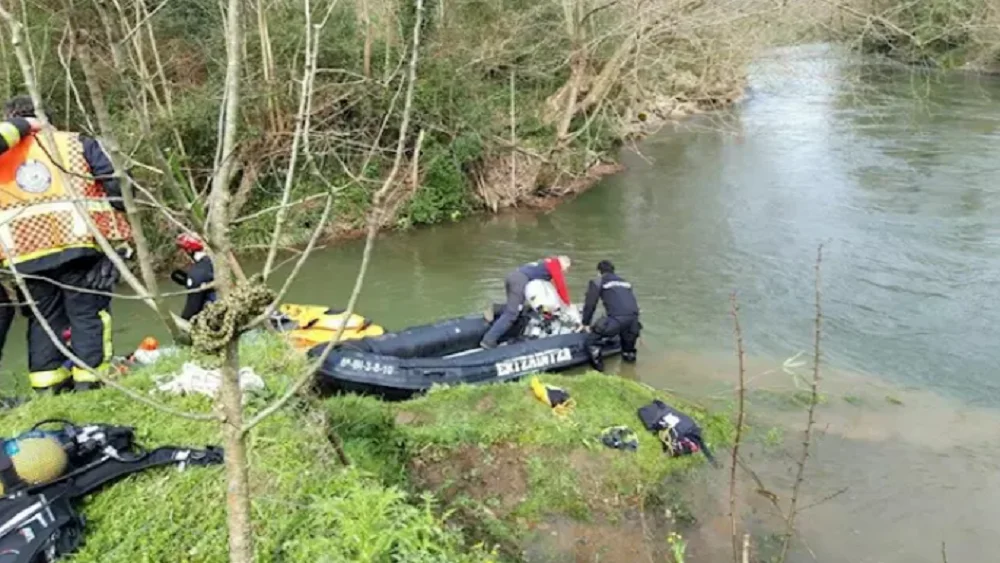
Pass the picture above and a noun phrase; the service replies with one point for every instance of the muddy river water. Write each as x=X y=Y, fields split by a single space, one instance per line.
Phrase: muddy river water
x=896 y=173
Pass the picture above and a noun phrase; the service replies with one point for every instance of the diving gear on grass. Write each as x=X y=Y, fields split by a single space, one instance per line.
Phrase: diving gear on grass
x=679 y=433
x=38 y=522
x=620 y=438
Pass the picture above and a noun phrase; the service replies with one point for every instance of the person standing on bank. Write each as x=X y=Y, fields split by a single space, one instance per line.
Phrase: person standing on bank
x=49 y=240
x=549 y=269
x=621 y=314
x=201 y=273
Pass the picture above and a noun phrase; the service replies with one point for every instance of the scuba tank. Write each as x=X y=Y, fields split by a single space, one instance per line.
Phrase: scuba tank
x=44 y=472
x=36 y=457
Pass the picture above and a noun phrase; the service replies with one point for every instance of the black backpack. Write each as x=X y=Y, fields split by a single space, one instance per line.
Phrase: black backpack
x=38 y=523
x=679 y=433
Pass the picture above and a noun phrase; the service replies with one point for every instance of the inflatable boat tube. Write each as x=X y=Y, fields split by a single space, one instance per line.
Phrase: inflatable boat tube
x=401 y=364
x=310 y=325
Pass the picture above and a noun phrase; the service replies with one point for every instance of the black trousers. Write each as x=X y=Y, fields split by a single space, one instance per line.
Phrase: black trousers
x=626 y=328
x=7 y=313
x=84 y=313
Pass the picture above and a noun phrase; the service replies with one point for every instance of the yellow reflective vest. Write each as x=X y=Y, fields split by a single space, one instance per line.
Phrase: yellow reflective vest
x=38 y=218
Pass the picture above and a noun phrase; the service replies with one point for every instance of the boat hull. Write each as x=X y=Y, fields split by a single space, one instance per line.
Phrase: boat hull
x=409 y=362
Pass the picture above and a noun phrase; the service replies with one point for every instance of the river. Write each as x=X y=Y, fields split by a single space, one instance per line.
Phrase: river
x=894 y=172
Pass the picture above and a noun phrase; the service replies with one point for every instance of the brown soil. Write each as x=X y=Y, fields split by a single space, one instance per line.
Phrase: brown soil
x=495 y=476
x=631 y=539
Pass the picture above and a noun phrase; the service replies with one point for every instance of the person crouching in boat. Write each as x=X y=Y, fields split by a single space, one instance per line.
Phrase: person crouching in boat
x=621 y=314
x=199 y=274
x=550 y=269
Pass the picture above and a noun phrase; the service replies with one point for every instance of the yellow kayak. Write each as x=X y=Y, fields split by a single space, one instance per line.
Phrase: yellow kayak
x=309 y=325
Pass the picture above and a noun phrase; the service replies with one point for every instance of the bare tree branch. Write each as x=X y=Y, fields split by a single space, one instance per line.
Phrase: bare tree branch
x=741 y=394
x=811 y=417
x=374 y=221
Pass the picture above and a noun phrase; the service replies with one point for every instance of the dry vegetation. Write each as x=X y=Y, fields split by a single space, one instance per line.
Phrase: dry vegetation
x=516 y=100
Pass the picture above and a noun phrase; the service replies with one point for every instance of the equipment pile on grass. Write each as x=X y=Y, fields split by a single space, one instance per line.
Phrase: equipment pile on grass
x=310 y=507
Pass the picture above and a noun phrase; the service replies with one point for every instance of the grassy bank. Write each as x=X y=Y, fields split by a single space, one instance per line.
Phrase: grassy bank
x=453 y=476
x=517 y=100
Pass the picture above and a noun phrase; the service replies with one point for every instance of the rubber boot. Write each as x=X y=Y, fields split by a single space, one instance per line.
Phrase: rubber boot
x=594 y=355
x=628 y=357
x=57 y=389
x=81 y=386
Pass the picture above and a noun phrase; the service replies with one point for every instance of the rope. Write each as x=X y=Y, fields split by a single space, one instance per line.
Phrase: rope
x=222 y=321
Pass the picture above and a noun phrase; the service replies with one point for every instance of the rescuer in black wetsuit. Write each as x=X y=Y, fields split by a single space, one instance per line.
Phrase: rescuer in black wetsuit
x=621 y=314
x=201 y=273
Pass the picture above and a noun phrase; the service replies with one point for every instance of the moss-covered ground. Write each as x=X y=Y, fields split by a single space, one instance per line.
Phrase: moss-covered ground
x=451 y=476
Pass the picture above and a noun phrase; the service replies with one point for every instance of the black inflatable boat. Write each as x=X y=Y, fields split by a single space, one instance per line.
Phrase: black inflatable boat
x=398 y=365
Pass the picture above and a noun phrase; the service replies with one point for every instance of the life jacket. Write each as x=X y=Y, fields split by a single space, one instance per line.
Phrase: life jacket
x=37 y=218
x=38 y=522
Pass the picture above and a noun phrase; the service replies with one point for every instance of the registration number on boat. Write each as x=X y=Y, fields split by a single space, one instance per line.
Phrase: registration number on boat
x=367 y=366
x=533 y=362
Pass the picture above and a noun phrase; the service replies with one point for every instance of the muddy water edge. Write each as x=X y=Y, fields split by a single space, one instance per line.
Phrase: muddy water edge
x=894 y=171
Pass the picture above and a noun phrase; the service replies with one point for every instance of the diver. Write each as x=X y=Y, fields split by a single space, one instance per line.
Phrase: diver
x=550 y=269
x=199 y=274
x=621 y=314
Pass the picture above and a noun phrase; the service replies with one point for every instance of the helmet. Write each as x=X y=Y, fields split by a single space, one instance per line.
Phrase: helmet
x=67 y=334
x=189 y=243
x=149 y=343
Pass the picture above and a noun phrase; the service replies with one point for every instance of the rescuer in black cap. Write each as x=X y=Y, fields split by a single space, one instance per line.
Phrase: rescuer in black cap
x=621 y=313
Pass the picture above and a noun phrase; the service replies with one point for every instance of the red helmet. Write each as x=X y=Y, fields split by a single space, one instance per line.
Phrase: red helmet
x=67 y=334
x=190 y=243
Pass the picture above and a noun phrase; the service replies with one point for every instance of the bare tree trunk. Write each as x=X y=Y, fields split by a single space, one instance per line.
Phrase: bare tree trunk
x=300 y=129
x=366 y=14
x=48 y=141
x=237 y=474
x=237 y=489
x=141 y=245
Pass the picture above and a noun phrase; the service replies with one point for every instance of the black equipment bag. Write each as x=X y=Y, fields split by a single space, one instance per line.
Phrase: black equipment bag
x=38 y=523
x=679 y=433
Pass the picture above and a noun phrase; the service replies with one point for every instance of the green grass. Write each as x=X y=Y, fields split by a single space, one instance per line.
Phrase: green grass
x=514 y=463
x=306 y=507
x=508 y=435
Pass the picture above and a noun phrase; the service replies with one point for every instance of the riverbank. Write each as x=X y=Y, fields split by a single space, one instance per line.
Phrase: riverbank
x=452 y=476
x=514 y=105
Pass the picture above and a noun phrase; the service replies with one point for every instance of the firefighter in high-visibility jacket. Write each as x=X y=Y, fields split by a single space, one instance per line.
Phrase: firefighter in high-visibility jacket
x=44 y=236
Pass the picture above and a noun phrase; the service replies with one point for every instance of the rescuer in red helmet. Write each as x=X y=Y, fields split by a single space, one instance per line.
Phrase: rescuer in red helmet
x=199 y=274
